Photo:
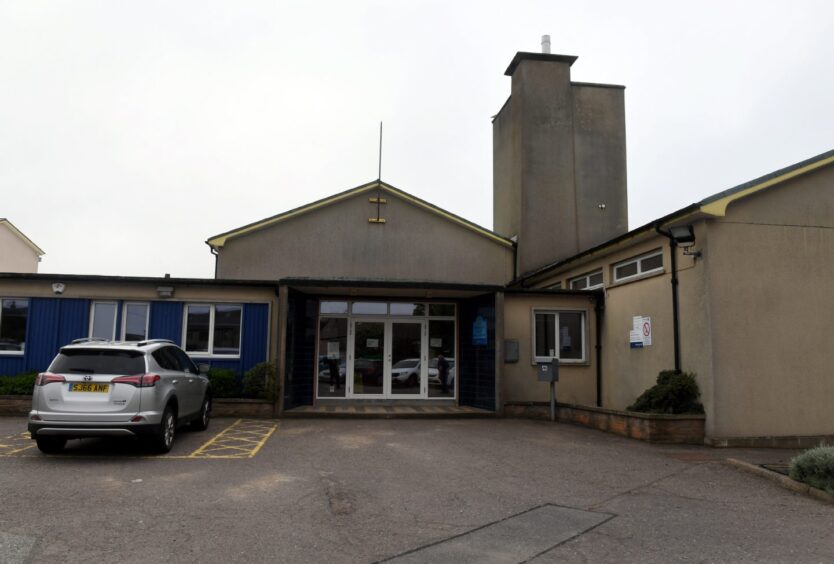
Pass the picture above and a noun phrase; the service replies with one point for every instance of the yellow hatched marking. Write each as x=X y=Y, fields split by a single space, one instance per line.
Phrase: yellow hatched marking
x=242 y=439
x=14 y=444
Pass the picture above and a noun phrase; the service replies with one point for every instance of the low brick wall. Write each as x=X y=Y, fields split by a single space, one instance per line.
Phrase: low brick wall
x=20 y=405
x=15 y=405
x=796 y=442
x=649 y=427
x=227 y=407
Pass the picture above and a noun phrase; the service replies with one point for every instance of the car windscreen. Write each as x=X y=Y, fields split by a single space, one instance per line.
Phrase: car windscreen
x=98 y=361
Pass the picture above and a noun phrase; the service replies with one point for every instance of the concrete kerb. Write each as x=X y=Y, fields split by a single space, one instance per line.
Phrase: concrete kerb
x=782 y=480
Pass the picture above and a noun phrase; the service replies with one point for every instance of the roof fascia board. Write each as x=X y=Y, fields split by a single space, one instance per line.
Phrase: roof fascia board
x=717 y=206
x=449 y=216
x=218 y=241
x=22 y=237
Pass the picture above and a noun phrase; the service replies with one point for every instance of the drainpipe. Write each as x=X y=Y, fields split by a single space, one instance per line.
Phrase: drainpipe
x=598 y=308
x=216 y=257
x=673 y=247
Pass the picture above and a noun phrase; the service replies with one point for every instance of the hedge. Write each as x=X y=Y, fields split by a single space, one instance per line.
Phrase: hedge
x=815 y=467
x=675 y=392
x=19 y=385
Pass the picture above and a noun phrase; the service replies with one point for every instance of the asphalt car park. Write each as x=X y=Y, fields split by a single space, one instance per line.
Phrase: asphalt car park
x=485 y=490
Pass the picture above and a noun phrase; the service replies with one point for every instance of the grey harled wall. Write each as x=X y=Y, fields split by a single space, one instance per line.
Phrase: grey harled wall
x=558 y=152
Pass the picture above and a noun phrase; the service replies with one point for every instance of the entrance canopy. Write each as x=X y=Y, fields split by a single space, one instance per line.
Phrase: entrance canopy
x=363 y=340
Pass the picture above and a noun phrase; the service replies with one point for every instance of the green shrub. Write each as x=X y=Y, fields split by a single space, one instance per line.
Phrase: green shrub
x=675 y=392
x=20 y=385
x=815 y=467
x=225 y=383
x=260 y=381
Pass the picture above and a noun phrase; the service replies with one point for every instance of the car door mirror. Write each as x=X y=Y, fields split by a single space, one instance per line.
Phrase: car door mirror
x=203 y=368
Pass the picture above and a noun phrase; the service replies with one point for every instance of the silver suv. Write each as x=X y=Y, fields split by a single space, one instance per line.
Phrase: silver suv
x=99 y=388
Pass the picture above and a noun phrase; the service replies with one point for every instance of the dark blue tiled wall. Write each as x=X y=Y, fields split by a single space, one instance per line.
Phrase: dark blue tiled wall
x=477 y=361
x=301 y=349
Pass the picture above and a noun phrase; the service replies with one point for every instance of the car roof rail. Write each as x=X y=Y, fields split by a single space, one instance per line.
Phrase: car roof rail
x=90 y=340
x=152 y=341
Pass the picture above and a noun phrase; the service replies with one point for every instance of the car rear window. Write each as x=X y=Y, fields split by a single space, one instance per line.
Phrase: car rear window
x=97 y=361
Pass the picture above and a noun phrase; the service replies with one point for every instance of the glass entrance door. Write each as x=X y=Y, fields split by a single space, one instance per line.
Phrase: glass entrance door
x=388 y=359
x=408 y=359
x=368 y=358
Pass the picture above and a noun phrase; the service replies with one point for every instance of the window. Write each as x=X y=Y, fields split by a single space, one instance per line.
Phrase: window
x=646 y=264
x=369 y=308
x=103 y=320
x=334 y=307
x=559 y=334
x=13 y=316
x=590 y=281
x=135 y=322
x=213 y=329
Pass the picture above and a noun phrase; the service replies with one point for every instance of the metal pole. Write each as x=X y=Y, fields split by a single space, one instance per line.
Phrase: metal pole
x=552 y=400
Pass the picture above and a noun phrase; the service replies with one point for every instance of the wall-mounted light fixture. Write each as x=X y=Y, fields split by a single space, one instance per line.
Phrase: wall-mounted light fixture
x=684 y=237
x=165 y=291
x=58 y=288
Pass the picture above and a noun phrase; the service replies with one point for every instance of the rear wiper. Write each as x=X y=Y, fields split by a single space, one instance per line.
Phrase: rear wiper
x=84 y=370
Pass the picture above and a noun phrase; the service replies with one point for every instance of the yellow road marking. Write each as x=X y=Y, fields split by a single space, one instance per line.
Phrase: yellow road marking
x=244 y=439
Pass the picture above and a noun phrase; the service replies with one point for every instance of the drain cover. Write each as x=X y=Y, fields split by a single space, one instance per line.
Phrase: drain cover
x=514 y=539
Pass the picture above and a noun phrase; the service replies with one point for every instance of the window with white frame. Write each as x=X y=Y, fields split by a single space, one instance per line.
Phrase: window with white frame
x=213 y=329
x=638 y=266
x=135 y=321
x=589 y=281
x=558 y=334
x=103 y=320
x=14 y=314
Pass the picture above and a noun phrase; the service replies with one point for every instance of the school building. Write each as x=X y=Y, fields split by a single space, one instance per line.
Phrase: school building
x=376 y=295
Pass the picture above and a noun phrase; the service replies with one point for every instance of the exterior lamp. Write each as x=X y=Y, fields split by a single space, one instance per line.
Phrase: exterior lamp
x=165 y=291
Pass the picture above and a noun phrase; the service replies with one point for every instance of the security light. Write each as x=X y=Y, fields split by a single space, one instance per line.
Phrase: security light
x=165 y=291
x=683 y=234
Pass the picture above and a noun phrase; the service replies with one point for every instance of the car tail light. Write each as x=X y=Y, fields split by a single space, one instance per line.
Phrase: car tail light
x=138 y=380
x=45 y=378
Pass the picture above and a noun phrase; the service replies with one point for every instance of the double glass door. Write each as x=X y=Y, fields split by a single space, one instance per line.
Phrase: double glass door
x=387 y=358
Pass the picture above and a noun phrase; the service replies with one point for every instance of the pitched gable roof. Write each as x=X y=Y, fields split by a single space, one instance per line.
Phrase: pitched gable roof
x=21 y=236
x=218 y=241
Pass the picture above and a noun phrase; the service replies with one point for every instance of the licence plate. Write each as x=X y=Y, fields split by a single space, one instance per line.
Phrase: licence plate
x=85 y=387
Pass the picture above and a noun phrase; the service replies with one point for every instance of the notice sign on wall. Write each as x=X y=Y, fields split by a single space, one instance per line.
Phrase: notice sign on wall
x=641 y=332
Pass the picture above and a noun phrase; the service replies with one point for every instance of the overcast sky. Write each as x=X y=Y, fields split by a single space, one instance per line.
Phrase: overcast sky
x=130 y=132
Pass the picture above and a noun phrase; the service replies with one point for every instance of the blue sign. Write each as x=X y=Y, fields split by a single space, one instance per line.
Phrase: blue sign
x=479 y=331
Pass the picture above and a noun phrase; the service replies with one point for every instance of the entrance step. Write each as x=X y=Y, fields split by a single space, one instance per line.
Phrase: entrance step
x=382 y=411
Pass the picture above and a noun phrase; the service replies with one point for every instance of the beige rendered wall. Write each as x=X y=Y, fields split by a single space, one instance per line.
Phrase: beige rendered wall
x=519 y=381
x=627 y=372
x=16 y=255
x=337 y=241
x=771 y=267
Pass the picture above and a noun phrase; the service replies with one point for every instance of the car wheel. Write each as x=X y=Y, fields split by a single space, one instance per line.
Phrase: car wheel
x=202 y=421
x=50 y=445
x=163 y=440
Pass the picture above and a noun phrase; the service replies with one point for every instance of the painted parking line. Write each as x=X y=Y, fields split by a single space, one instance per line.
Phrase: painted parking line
x=242 y=439
x=14 y=444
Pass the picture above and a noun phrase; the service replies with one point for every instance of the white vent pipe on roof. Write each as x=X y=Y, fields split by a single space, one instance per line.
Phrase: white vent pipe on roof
x=546 y=44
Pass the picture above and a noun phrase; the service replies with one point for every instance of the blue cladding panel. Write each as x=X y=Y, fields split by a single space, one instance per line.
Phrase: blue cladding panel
x=52 y=323
x=166 y=321
x=74 y=320
x=255 y=331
